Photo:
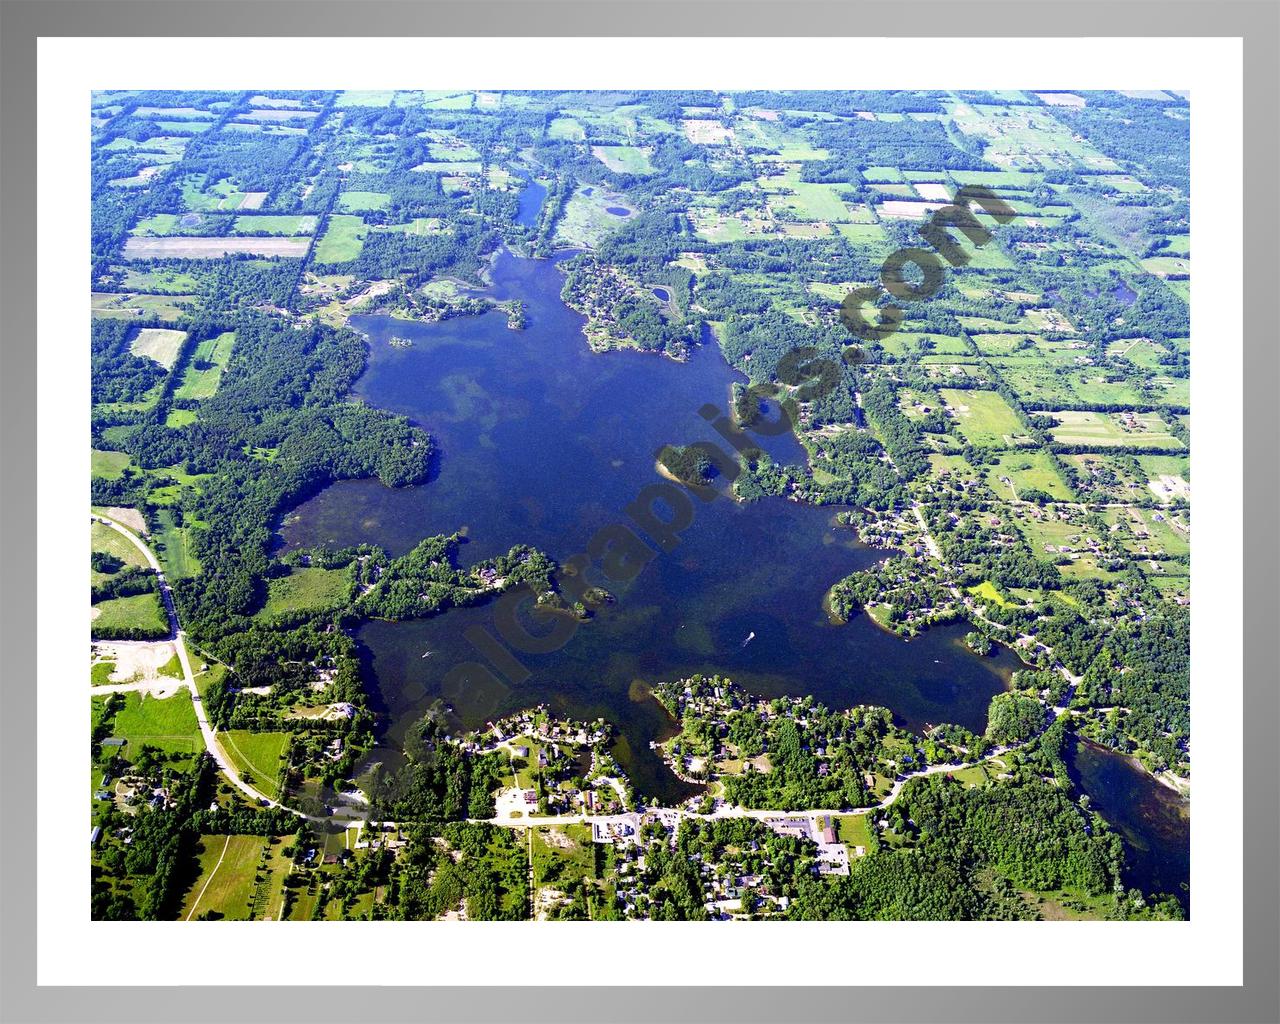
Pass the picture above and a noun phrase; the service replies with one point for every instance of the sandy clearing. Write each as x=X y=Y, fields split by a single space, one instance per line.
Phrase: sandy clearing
x=136 y=661
x=129 y=517
x=908 y=208
x=934 y=190
x=175 y=247
x=1061 y=99
x=707 y=133
x=159 y=344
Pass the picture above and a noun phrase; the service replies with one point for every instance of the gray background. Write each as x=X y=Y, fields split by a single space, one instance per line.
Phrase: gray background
x=1257 y=21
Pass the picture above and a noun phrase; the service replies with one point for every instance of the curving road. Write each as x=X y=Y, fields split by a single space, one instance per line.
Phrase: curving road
x=178 y=638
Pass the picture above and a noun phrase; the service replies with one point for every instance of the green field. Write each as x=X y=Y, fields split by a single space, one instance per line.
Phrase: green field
x=140 y=611
x=566 y=128
x=204 y=370
x=109 y=465
x=1032 y=469
x=853 y=830
x=984 y=417
x=160 y=282
x=228 y=868
x=622 y=159
x=172 y=545
x=986 y=590
x=257 y=756
x=305 y=589
x=168 y=725
x=342 y=240
x=104 y=538
x=358 y=202
x=132 y=306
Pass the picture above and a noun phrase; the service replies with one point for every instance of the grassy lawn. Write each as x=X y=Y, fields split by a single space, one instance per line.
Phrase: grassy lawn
x=305 y=589
x=169 y=724
x=342 y=241
x=228 y=866
x=971 y=777
x=204 y=371
x=984 y=417
x=986 y=591
x=257 y=757
x=853 y=830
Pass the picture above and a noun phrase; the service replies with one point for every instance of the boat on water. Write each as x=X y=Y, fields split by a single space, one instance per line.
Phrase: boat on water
x=750 y=636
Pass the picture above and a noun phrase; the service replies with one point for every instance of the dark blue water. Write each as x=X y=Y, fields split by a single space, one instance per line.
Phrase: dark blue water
x=662 y=293
x=618 y=211
x=1153 y=820
x=531 y=199
x=544 y=442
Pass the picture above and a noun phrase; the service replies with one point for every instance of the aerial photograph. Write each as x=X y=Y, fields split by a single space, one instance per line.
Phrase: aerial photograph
x=640 y=505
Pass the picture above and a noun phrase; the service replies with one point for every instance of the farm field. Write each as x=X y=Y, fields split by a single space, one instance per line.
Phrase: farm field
x=203 y=373
x=273 y=224
x=167 y=724
x=1138 y=430
x=109 y=466
x=623 y=159
x=104 y=538
x=342 y=241
x=222 y=890
x=257 y=756
x=361 y=202
x=984 y=417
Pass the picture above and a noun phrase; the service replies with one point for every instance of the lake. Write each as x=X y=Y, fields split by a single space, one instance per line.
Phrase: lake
x=530 y=200
x=543 y=442
x=1153 y=820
